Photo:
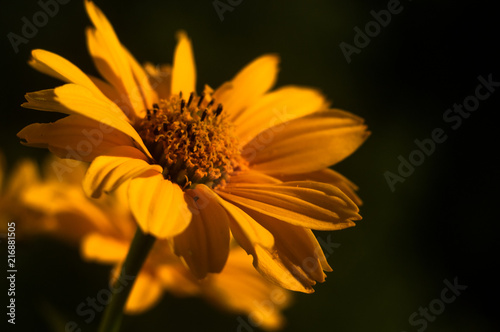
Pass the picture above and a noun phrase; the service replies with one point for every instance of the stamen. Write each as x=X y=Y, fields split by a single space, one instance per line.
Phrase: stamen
x=219 y=110
x=201 y=100
x=183 y=103
x=210 y=103
x=188 y=143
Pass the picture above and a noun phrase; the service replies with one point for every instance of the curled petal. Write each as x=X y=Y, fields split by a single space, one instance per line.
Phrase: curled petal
x=118 y=165
x=204 y=245
x=307 y=204
x=75 y=137
x=326 y=176
x=158 y=205
x=297 y=249
x=78 y=100
x=245 y=230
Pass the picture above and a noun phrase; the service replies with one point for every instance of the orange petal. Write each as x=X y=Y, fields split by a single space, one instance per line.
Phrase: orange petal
x=297 y=249
x=184 y=70
x=307 y=144
x=252 y=176
x=326 y=175
x=158 y=205
x=160 y=79
x=245 y=230
x=118 y=165
x=275 y=108
x=308 y=204
x=25 y=175
x=240 y=288
x=75 y=137
x=248 y=85
x=112 y=60
x=259 y=242
x=54 y=65
x=93 y=244
x=273 y=269
x=76 y=99
x=204 y=244
x=146 y=92
x=145 y=293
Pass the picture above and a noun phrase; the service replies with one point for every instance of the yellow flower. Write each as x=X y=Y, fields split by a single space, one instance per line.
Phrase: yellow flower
x=240 y=160
x=103 y=229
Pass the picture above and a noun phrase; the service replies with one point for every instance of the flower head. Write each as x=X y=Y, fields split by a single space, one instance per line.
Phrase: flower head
x=239 y=161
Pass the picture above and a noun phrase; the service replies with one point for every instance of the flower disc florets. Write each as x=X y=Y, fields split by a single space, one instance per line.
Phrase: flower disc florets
x=191 y=140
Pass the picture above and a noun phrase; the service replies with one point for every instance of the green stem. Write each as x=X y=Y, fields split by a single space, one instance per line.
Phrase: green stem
x=137 y=254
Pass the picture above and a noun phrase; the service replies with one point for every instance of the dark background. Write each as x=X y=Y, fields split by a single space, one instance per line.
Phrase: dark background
x=438 y=224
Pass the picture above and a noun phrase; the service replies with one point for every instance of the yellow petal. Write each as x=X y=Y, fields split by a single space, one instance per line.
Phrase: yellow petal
x=204 y=245
x=75 y=99
x=116 y=166
x=54 y=65
x=259 y=242
x=241 y=289
x=252 y=176
x=275 y=108
x=112 y=60
x=297 y=249
x=248 y=85
x=66 y=212
x=160 y=79
x=146 y=292
x=158 y=206
x=109 y=91
x=326 y=175
x=103 y=249
x=146 y=92
x=306 y=145
x=177 y=280
x=25 y=175
x=75 y=137
x=308 y=204
x=109 y=70
x=245 y=230
x=184 y=70
x=273 y=269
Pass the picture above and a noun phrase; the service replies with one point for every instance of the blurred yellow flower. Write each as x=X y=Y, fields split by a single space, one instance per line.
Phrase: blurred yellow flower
x=12 y=187
x=241 y=161
x=103 y=229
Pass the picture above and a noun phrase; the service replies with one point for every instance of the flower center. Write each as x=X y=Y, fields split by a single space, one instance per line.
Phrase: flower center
x=191 y=140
